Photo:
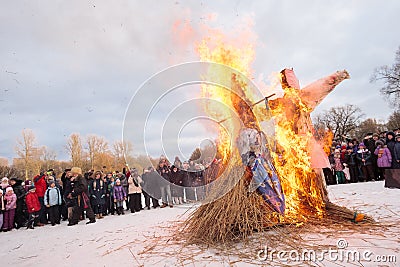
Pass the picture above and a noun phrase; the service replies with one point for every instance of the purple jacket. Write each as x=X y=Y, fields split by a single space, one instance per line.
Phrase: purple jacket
x=119 y=193
x=11 y=201
x=384 y=157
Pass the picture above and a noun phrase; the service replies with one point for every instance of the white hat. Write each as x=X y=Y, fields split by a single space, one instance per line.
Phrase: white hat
x=5 y=179
x=9 y=189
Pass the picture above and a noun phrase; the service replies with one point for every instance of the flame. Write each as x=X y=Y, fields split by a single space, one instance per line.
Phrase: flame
x=293 y=162
x=217 y=50
x=292 y=158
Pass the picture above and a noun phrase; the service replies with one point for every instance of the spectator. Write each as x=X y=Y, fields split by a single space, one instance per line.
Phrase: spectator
x=119 y=197
x=40 y=184
x=164 y=171
x=176 y=179
x=338 y=167
x=390 y=142
x=80 y=191
x=364 y=158
x=384 y=157
x=97 y=191
x=124 y=183
x=9 y=212
x=20 y=218
x=2 y=208
x=135 y=191
x=110 y=193
x=52 y=200
x=396 y=153
x=4 y=184
x=33 y=207
x=351 y=161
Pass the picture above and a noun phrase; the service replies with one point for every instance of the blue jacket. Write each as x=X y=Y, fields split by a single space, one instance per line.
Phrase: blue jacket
x=52 y=196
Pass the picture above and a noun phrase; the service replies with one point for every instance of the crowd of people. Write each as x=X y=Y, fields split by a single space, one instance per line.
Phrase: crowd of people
x=353 y=161
x=75 y=195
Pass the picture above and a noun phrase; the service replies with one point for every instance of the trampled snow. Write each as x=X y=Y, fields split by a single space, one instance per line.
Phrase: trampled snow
x=130 y=239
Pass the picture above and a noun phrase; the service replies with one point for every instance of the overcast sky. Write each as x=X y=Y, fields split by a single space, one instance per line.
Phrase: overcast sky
x=73 y=66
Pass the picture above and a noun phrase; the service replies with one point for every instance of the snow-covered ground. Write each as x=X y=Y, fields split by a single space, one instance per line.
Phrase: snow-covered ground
x=145 y=238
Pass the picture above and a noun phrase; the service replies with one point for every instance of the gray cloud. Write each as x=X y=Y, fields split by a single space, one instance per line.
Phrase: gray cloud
x=73 y=66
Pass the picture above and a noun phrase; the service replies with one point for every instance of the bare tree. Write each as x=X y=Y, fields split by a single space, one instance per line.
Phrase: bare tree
x=121 y=151
x=48 y=157
x=97 y=148
x=390 y=75
x=369 y=126
x=343 y=120
x=27 y=151
x=74 y=148
x=394 y=121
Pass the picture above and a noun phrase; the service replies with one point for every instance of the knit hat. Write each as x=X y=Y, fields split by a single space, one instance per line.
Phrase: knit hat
x=9 y=189
x=32 y=187
x=361 y=144
x=118 y=180
x=51 y=181
x=5 y=179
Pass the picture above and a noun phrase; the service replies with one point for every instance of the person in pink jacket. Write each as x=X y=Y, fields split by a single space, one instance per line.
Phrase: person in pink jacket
x=384 y=160
x=9 y=213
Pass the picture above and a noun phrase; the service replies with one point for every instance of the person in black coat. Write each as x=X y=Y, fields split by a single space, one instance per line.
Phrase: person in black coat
x=21 y=217
x=396 y=153
x=390 y=143
x=176 y=178
x=80 y=191
x=97 y=192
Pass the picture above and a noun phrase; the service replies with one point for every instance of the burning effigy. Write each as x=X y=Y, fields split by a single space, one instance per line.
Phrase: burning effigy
x=276 y=164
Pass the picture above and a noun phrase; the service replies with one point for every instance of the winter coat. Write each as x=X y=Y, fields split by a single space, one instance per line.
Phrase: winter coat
x=384 y=157
x=32 y=202
x=396 y=156
x=134 y=185
x=52 y=196
x=338 y=166
x=366 y=155
x=20 y=192
x=350 y=159
x=110 y=189
x=11 y=201
x=68 y=188
x=40 y=185
x=119 y=193
x=390 y=143
x=97 y=190
x=2 y=203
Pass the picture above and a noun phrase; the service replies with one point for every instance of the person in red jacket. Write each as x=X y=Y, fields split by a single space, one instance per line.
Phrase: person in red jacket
x=39 y=182
x=33 y=206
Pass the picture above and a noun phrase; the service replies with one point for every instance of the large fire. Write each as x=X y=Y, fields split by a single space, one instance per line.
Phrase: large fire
x=304 y=197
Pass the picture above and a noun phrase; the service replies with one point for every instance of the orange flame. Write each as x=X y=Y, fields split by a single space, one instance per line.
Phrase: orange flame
x=292 y=158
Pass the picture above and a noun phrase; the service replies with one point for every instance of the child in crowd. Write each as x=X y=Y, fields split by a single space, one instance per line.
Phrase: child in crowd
x=338 y=166
x=33 y=206
x=119 y=197
x=4 y=184
x=9 y=212
x=52 y=200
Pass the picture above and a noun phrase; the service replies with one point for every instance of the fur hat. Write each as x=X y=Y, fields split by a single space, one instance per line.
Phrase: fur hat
x=76 y=170
x=9 y=189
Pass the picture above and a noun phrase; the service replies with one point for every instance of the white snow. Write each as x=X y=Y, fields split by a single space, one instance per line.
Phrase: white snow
x=143 y=239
